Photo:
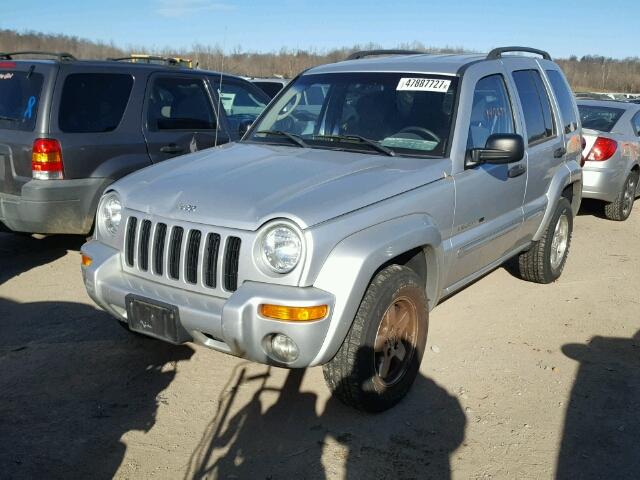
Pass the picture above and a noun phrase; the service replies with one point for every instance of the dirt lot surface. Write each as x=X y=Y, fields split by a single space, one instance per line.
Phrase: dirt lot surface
x=519 y=381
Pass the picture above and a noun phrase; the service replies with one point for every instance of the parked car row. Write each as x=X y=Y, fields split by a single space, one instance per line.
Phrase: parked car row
x=364 y=194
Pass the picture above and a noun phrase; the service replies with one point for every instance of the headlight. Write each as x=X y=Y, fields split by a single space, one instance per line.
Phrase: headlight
x=110 y=213
x=281 y=248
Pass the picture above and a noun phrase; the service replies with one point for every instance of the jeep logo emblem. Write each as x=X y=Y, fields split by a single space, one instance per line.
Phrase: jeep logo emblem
x=185 y=207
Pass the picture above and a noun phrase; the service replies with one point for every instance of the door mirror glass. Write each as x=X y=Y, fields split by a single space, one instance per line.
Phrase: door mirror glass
x=500 y=148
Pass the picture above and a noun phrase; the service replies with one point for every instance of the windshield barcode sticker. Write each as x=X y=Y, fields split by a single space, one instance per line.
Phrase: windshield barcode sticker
x=424 y=84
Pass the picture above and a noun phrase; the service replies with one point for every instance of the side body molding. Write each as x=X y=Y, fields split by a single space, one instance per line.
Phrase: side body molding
x=353 y=262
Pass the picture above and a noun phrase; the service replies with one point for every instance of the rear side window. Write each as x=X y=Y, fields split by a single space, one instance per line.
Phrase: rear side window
x=19 y=97
x=599 y=118
x=491 y=113
x=565 y=100
x=178 y=103
x=535 y=105
x=636 y=123
x=93 y=102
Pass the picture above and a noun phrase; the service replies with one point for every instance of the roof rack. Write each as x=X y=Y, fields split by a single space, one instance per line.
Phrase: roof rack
x=497 y=52
x=62 y=56
x=140 y=58
x=371 y=53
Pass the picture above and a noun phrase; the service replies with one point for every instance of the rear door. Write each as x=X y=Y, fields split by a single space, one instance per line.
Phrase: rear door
x=25 y=94
x=545 y=142
x=179 y=117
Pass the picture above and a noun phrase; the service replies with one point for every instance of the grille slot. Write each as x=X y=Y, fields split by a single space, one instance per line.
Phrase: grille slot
x=193 y=247
x=130 y=243
x=143 y=249
x=158 y=248
x=175 y=246
x=211 y=260
x=231 y=257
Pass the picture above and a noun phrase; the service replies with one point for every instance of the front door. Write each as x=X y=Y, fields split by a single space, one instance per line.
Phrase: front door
x=179 y=116
x=488 y=210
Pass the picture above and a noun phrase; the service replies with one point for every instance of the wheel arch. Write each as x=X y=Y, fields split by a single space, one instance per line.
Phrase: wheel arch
x=566 y=183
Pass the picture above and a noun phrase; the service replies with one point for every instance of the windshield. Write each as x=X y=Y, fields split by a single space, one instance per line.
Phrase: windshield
x=599 y=118
x=404 y=113
x=19 y=96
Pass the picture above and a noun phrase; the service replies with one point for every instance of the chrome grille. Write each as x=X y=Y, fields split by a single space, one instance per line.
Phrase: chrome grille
x=182 y=254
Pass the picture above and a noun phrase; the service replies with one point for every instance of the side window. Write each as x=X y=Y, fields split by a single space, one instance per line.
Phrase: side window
x=636 y=124
x=93 y=102
x=535 y=104
x=237 y=99
x=565 y=100
x=178 y=103
x=491 y=112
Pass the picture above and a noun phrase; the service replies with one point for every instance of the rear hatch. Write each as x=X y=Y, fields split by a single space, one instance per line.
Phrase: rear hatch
x=25 y=96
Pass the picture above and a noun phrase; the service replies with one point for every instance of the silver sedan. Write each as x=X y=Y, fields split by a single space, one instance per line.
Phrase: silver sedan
x=611 y=154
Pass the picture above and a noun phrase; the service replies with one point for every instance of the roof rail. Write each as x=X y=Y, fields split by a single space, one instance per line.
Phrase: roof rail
x=371 y=53
x=497 y=52
x=62 y=56
x=141 y=58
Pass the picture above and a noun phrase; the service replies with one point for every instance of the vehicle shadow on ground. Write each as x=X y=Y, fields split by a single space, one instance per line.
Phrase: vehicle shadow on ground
x=21 y=253
x=71 y=384
x=601 y=437
x=592 y=207
x=290 y=439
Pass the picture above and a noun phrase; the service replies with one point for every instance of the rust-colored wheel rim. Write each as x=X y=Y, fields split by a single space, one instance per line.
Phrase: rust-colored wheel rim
x=395 y=343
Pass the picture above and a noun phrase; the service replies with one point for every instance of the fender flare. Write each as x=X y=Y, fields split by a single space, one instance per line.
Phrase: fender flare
x=349 y=268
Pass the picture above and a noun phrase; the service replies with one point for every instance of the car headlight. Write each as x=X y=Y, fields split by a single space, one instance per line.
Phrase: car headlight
x=110 y=213
x=281 y=248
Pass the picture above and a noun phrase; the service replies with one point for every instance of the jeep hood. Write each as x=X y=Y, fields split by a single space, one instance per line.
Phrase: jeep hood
x=244 y=185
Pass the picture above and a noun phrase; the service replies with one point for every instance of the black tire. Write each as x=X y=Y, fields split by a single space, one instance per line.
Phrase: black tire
x=535 y=264
x=620 y=209
x=352 y=375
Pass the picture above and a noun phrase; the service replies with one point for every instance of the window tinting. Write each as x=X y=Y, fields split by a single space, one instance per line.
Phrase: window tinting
x=535 y=104
x=19 y=97
x=179 y=104
x=599 y=118
x=270 y=88
x=565 y=100
x=93 y=102
x=491 y=112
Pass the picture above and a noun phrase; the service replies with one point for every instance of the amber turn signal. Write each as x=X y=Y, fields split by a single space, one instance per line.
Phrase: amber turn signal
x=293 y=314
x=86 y=260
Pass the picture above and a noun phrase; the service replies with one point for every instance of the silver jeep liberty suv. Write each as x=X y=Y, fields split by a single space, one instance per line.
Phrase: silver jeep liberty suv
x=365 y=193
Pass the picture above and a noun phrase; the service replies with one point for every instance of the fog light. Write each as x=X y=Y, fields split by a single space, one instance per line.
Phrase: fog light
x=283 y=348
x=86 y=260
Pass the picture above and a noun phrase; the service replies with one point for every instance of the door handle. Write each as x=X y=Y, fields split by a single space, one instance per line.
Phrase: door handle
x=559 y=152
x=171 y=148
x=517 y=170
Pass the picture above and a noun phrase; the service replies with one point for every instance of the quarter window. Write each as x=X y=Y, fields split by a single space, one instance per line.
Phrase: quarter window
x=93 y=102
x=491 y=112
x=179 y=104
x=565 y=100
x=535 y=105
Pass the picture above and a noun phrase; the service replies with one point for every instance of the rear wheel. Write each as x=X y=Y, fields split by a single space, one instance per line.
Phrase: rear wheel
x=380 y=357
x=544 y=261
x=620 y=209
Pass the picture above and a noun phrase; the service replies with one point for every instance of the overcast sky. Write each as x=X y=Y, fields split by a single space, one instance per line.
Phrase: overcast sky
x=563 y=28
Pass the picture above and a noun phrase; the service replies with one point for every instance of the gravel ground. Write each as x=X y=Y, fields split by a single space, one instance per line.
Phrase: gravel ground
x=519 y=381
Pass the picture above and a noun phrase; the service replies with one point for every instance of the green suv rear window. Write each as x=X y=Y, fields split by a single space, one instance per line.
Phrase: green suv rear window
x=93 y=102
x=19 y=97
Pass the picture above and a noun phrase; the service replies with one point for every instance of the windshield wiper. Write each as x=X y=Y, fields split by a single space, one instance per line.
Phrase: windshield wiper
x=372 y=143
x=290 y=136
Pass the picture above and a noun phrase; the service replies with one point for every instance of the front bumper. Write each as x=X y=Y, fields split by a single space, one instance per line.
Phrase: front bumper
x=230 y=325
x=53 y=206
x=602 y=183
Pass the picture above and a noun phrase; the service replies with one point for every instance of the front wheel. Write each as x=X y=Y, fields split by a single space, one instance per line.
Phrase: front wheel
x=380 y=357
x=544 y=261
x=620 y=209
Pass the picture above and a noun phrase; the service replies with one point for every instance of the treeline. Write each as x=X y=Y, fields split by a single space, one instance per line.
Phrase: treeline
x=588 y=73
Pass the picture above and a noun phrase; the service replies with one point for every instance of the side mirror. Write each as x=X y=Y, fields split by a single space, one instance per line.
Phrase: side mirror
x=500 y=148
x=244 y=127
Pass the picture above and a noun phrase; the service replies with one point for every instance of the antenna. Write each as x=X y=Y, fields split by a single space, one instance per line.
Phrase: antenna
x=224 y=40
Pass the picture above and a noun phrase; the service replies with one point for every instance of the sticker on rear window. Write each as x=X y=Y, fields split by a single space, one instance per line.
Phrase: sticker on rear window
x=6 y=76
x=424 y=85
